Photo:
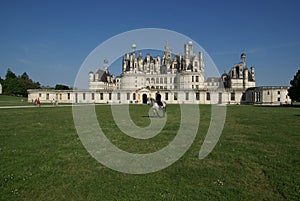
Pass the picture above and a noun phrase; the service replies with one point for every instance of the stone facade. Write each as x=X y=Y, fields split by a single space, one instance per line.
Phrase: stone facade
x=179 y=78
x=273 y=95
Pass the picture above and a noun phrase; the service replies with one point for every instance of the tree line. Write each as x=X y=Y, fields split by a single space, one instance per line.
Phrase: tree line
x=17 y=85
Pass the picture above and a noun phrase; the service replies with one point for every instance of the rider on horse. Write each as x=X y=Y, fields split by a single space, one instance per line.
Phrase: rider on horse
x=158 y=99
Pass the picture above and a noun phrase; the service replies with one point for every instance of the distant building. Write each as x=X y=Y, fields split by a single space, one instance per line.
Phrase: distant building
x=179 y=78
x=268 y=95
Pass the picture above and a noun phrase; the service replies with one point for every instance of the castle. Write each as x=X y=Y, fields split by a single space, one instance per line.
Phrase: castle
x=179 y=78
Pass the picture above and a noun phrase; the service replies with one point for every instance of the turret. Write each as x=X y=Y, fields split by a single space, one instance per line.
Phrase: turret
x=191 y=51
x=201 y=65
x=97 y=74
x=243 y=57
x=234 y=73
x=186 y=56
x=91 y=76
x=124 y=65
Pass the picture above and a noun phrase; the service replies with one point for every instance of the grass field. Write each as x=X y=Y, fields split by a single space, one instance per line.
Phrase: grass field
x=13 y=100
x=257 y=157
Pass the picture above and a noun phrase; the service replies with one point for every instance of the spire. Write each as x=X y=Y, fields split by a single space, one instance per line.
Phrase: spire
x=167 y=47
x=105 y=65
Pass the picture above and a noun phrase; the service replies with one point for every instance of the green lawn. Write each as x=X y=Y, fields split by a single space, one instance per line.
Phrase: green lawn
x=257 y=157
x=13 y=100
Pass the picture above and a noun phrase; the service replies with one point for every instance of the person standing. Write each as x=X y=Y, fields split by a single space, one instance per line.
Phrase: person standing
x=38 y=102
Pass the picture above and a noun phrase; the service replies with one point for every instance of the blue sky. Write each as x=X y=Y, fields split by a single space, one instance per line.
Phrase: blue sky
x=50 y=39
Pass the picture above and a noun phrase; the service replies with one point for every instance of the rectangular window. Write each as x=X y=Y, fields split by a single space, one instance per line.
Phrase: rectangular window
x=197 y=96
x=170 y=80
x=278 y=92
x=197 y=78
x=161 y=80
x=128 y=96
x=208 y=96
x=175 y=96
x=47 y=96
x=278 y=99
x=157 y=80
x=40 y=95
x=68 y=96
x=133 y=96
x=93 y=96
x=101 y=96
x=232 y=96
x=192 y=78
x=109 y=96
x=167 y=96
x=187 y=96
x=257 y=95
x=60 y=96
x=118 y=96
x=165 y=80
x=83 y=96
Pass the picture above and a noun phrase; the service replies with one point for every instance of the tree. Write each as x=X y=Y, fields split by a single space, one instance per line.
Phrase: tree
x=14 y=86
x=24 y=76
x=294 y=90
x=61 y=87
x=18 y=85
x=28 y=82
x=10 y=74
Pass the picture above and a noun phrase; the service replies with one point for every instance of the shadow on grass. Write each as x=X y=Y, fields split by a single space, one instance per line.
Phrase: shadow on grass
x=152 y=116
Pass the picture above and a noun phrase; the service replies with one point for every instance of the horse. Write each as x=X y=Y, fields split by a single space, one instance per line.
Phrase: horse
x=156 y=108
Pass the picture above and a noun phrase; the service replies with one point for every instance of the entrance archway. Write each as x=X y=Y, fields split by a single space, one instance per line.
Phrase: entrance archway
x=144 y=98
